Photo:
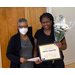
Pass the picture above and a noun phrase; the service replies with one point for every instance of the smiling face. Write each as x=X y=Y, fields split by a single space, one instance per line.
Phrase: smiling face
x=46 y=23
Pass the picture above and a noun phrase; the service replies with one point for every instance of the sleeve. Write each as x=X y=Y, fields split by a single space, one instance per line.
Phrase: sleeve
x=62 y=39
x=37 y=34
x=10 y=52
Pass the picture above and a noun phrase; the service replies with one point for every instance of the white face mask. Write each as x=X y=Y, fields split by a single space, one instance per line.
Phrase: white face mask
x=23 y=30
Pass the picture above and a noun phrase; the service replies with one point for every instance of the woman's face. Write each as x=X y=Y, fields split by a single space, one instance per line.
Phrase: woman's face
x=46 y=23
x=22 y=25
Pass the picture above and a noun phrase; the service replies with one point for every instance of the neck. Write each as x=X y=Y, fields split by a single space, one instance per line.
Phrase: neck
x=23 y=36
x=47 y=29
x=47 y=32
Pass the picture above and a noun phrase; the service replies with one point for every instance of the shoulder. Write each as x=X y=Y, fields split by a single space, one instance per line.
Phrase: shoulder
x=12 y=40
x=38 y=32
x=31 y=38
x=15 y=37
x=29 y=35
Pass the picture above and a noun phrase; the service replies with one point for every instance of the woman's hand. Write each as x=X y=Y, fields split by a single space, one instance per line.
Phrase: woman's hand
x=59 y=45
x=38 y=61
x=23 y=60
x=62 y=45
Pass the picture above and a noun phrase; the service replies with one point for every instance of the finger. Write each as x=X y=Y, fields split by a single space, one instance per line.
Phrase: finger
x=38 y=62
x=55 y=41
x=25 y=60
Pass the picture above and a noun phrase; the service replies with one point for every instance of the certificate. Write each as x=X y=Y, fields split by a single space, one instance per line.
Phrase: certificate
x=49 y=52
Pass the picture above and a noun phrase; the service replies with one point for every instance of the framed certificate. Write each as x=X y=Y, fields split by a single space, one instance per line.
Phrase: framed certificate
x=49 y=52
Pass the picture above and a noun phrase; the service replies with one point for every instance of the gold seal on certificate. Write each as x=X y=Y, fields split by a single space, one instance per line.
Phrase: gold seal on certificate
x=49 y=52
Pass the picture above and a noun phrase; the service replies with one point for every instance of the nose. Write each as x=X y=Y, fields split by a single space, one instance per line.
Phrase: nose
x=45 y=23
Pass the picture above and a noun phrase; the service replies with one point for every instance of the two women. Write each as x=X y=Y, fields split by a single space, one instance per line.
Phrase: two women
x=20 y=46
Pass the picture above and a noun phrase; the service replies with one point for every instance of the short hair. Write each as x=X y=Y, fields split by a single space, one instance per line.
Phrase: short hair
x=22 y=20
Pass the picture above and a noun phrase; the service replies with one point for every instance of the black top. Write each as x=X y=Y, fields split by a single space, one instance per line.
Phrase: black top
x=42 y=38
x=13 y=49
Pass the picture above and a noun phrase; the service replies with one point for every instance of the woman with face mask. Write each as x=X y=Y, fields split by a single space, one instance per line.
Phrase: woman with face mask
x=20 y=47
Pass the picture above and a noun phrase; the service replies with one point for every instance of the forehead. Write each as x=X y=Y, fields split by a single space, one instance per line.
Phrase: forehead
x=45 y=19
x=22 y=24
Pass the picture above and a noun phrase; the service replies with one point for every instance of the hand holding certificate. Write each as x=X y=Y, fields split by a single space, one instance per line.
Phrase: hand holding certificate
x=49 y=52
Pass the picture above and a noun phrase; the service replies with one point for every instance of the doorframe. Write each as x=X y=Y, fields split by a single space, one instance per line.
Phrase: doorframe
x=0 y=57
x=49 y=9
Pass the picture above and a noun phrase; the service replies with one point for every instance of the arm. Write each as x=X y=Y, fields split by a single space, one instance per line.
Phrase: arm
x=35 y=47
x=62 y=45
x=35 y=51
x=11 y=52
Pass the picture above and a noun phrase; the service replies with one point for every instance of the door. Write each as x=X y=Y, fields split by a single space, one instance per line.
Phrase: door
x=8 y=27
x=32 y=14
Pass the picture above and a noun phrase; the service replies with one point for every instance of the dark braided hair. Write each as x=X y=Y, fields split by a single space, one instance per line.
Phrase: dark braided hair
x=48 y=15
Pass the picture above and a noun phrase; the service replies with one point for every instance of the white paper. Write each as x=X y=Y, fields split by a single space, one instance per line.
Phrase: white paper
x=33 y=59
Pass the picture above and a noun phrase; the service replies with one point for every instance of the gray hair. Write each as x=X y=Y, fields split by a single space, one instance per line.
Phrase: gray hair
x=22 y=20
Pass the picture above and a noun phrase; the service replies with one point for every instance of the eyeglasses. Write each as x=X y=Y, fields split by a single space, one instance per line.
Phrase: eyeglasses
x=22 y=26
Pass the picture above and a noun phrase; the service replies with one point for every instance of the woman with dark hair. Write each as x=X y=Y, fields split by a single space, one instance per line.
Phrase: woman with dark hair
x=45 y=35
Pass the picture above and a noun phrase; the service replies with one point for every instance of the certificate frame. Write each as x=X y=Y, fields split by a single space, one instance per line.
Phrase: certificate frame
x=49 y=52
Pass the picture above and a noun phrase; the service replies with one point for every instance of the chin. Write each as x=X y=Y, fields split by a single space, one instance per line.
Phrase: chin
x=46 y=28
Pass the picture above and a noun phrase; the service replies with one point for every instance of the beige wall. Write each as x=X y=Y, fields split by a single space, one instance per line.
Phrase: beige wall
x=69 y=14
x=0 y=57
